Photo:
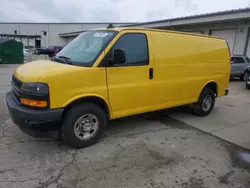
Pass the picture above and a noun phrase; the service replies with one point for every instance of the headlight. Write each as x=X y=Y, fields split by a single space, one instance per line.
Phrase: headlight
x=38 y=88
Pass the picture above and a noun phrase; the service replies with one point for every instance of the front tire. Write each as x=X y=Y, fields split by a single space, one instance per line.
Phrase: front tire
x=84 y=125
x=205 y=104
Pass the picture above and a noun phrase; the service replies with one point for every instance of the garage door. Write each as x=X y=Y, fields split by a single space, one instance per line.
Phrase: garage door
x=69 y=39
x=248 y=46
x=229 y=35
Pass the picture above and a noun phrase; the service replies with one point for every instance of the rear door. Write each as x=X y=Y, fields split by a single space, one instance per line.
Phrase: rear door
x=237 y=66
x=130 y=85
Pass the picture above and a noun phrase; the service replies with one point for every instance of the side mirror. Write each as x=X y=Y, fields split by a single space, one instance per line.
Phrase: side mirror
x=119 y=56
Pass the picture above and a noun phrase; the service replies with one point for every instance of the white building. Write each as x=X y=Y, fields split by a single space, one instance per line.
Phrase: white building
x=231 y=25
x=45 y=34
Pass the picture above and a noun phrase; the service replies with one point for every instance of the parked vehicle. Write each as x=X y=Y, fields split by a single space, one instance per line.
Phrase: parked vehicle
x=239 y=65
x=117 y=72
x=248 y=78
x=25 y=53
x=39 y=51
x=50 y=51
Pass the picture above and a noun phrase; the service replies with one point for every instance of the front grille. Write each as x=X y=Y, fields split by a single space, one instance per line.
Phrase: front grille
x=18 y=93
x=16 y=87
x=16 y=82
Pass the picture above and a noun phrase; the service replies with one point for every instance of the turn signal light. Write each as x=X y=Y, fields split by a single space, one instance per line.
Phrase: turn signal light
x=33 y=103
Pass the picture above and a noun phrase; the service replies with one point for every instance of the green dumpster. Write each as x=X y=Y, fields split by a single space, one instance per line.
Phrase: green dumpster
x=11 y=52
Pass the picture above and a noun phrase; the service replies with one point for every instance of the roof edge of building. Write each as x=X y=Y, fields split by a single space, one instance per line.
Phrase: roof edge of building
x=17 y=35
x=70 y=22
x=234 y=11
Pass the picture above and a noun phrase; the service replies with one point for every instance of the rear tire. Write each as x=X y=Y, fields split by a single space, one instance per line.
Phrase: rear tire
x=244 y=76
x=205 y=104
x=84 y=125
x=247 y=85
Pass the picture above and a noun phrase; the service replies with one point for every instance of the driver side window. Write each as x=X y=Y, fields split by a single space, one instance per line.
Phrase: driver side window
x=135 y=47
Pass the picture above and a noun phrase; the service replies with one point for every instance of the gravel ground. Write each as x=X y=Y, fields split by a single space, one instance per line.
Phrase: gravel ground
x=150 y=150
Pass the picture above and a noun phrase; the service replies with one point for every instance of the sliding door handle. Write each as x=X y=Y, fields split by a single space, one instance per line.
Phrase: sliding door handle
x=151 y=73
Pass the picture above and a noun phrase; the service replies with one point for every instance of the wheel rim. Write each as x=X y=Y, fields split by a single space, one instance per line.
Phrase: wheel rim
x=207 y=103
x=86 y=126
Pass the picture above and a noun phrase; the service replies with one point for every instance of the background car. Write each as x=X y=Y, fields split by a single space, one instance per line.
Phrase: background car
x=239 y=65
x=50 y=51
x=25 y=53
x=39 y=51
x=248 y=78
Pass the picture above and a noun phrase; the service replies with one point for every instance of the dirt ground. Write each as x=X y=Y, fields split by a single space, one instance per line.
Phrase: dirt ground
x=151 y=150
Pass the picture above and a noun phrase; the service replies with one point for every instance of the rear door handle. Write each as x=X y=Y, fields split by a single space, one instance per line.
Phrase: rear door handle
x=151 y=73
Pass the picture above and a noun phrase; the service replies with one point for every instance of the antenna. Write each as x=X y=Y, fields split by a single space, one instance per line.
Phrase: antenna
x=110 y=26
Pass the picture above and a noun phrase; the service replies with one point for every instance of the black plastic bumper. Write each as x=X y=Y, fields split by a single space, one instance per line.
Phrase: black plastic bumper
x=31 y=120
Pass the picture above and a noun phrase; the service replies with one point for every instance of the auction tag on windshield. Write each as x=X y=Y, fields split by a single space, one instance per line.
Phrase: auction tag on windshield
x=101 y=34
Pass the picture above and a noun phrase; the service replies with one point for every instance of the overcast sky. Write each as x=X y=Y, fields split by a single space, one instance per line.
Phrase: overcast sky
x=109 y=10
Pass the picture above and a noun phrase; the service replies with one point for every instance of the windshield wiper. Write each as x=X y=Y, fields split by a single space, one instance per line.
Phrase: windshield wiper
x=64 y=59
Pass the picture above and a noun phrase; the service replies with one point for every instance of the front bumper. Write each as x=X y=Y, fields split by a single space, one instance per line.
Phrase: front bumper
x=32 y=120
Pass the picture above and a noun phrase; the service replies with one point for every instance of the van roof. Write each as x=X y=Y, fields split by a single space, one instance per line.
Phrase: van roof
x=160 y=30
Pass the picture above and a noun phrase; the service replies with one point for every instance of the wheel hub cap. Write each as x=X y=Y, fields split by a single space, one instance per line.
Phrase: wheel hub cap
x=86 y=126
x=207 y=103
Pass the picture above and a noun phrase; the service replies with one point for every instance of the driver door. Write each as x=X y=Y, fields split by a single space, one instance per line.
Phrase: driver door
x=130 y=85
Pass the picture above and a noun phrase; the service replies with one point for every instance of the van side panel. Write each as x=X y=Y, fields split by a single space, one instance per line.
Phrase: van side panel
x=130 y=89
x=214 y=56
x=184 y=64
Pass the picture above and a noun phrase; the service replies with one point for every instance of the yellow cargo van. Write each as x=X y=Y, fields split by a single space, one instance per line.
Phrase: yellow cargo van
x=116 y=72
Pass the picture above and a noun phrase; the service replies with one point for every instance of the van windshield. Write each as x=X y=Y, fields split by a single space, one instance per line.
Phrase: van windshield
x=85 y=49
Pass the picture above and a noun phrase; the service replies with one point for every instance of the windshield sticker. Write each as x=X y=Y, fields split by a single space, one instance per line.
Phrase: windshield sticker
x=100 y=34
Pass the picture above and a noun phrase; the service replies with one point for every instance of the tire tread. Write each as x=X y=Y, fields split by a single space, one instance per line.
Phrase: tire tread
x=73 y=114
x=197 y=109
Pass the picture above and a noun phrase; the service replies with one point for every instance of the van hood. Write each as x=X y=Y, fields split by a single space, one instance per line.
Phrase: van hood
x=31 y=72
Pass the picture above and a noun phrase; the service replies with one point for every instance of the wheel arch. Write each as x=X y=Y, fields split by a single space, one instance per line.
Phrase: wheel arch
x=246 y=71
x=96 y=99
x=211 y=85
